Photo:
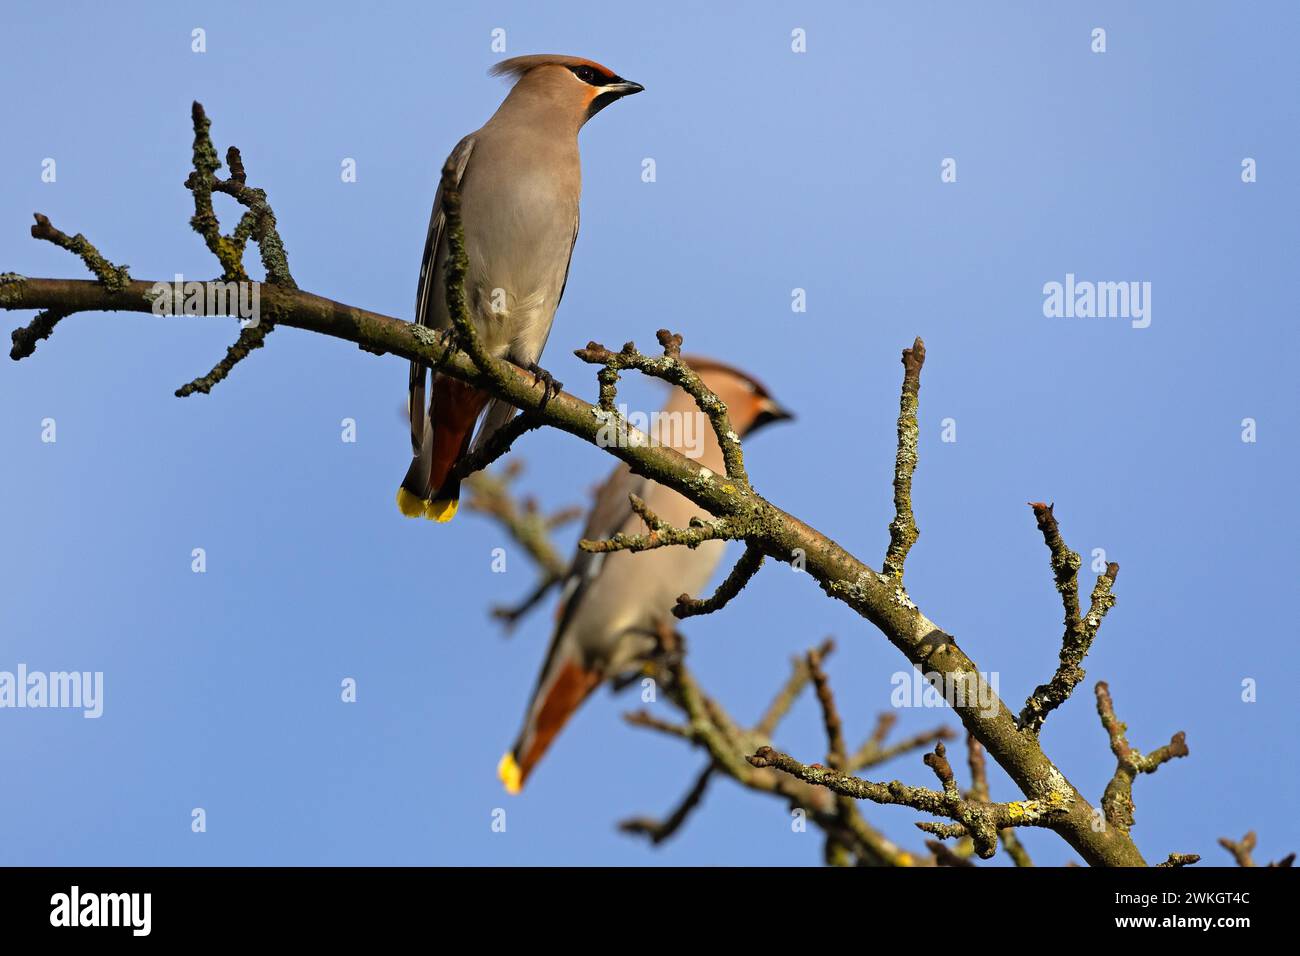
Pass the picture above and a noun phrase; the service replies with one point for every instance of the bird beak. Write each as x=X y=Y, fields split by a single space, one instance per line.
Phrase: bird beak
x=624 y=88
x=770 y=413
x=615 y=89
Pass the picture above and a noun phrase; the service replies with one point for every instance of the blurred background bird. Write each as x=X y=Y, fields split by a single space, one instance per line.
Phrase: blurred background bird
x=613 y=605
x=520 y=179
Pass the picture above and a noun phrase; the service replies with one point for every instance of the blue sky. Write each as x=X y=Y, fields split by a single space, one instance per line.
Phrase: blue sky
x=775 y=171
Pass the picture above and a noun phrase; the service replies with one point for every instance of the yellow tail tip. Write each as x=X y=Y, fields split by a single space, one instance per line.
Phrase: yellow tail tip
x=441 y=511
x=409 y=504
x=510 y=774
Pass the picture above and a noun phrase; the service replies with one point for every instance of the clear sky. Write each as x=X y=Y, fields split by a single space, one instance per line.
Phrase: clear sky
x=775 y=171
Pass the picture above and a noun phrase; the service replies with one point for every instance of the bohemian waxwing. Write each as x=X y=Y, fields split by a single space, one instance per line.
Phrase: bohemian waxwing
x=520 y=179
x=613 y=604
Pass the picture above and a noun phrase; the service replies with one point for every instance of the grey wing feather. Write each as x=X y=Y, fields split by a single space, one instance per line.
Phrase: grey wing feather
x=424 y=301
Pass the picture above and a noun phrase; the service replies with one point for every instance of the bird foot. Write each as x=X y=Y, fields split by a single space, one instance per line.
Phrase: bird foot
x=449 y=342
x=541 y=376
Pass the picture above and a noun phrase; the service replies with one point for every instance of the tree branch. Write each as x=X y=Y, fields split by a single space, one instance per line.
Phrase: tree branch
x=902 y=530
x=877 y=597
x=1117 y=801
x=735 y=582
x=1079 y=631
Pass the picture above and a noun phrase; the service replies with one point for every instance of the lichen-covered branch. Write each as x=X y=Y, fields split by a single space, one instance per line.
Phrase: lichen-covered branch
x=25 y=337
x=670 y=368
x=877 y=597
x=979 y=820
x=1080 y=630
x=258 y=224
x=733 y=584
x=979 y=790
x=1117 y=801
x=902 y=530
x=660 y=534
x=113 y=277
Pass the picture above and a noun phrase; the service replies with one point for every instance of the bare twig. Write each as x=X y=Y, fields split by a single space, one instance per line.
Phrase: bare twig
x=660 y=830
x=660 y=534
x=673 y=370
x=980 y=821
x=41 y=327
x=902 y=530
x=1079 y=630
x=790 y=692
x=114 y=278
x=734 y=583
x=258 y=224
x=1117 y=801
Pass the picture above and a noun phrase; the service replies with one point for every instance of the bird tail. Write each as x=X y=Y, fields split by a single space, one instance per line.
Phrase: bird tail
x=563 y=687
x=428 y=490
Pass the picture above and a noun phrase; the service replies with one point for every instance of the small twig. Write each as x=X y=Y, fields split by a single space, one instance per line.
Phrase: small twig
x=250 y=338
x=1242 y=849
x=789 y=692
x=36 y=330
x=661 y=535
x=1180 y=859
x=114 y=278
x=944 y=856
x=835 y=754
x=902 y=530
x=257 y=224
x=496 y=446
x=1117 y=801
x=979 y=790
x=643 y=718
x=872 y=753
x=660 y=830
x=670 y=368
x=1080 y=631
x=980 y=821
x=735 y=582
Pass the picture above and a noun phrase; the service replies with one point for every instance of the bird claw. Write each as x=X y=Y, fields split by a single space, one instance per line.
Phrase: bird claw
x=543 y=377
x=449 y=342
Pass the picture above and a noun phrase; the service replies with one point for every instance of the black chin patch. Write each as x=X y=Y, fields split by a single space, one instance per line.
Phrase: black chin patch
x=601 y=101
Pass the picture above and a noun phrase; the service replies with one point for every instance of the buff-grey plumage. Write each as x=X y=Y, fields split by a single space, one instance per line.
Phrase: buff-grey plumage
x=614 y=604
x=520 y=181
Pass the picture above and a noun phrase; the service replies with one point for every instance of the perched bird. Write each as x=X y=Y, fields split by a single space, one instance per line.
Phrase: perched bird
x=519 y=179
x=613 y=604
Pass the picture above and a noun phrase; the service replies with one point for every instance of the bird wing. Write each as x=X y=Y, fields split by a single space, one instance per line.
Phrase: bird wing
x=499 y=412
x=610 y=512
x=424 y=301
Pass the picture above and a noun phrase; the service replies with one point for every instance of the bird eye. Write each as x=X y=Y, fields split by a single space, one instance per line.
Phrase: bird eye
x=586 y=74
